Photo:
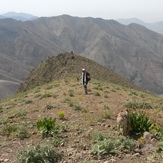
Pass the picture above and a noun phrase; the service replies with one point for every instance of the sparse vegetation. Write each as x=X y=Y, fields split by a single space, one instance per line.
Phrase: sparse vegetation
x=97 y=94
x=18 y=131
x=61 y=115
x=47 y=126
x=140 y=123
x=103 y=145
x=138 y=105
x=39 y=153
x=49 y=107
x=68 y=121
x=46 y=95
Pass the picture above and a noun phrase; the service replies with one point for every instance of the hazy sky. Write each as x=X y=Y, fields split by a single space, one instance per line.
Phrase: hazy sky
x=146 y=10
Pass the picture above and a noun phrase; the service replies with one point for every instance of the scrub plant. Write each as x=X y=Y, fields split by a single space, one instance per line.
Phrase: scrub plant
x=61 y=115
x=38 y=154
x=47 y=126
x=140 y=123
x=103 y=144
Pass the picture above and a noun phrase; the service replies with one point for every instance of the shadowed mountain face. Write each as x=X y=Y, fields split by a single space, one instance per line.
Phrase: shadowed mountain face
x=131 y=51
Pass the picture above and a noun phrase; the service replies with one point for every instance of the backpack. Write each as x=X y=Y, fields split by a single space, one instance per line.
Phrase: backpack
x=88 y=78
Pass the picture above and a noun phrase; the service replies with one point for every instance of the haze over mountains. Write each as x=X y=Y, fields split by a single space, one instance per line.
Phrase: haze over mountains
x=132 y=51
x=157 y=27
x=18 y=16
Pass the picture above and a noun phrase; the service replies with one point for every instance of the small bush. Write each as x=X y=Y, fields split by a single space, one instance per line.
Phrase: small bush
x=46 y=96
x=18 y=131
x=61 y=114
x=57 y=141
x=71 y=93
x=106 y=114
x=140 y=123
x=97 y=94
x=22 y=133
x=38 y=154
x=108 y=145
x=47 y=127
x=138 y=105
x=8 y=130
x=158 y=132
x=29 y=102
x=49 y=107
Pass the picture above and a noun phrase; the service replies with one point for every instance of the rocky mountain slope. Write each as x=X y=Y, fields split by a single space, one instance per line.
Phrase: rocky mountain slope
x=84 y=127
x=70 y=65
x=131 y=51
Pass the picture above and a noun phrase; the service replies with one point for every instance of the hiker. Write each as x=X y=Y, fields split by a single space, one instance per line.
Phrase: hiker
x=85 y=79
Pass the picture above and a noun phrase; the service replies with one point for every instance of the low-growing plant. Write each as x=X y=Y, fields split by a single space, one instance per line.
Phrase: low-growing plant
x=46 y=95
x=19 y=131
x=97 y=94
x=138 y=105
x=157 y=131
x=106 y=114
x=61 y=114
x=29 y=102
x=106 y=107
x=108 y=145
x=22 y=133
x=76 y=106
x=1 y=109
x=91 y=161
x=71 y=92
x=133 y=93
x=57 y=141
x=8 y=129
x=49 y=107
x=38 y=154
x=47 y=126
x=140 y=123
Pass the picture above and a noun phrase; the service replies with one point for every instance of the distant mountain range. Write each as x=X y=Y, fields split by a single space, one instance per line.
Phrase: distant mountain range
x=132 y=51
x=157 y=27
x=18 y=16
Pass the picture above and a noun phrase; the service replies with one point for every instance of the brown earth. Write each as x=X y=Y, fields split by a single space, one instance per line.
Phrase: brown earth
x=84 y=116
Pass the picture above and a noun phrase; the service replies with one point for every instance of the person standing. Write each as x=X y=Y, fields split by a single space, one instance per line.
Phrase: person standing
x=85 y=79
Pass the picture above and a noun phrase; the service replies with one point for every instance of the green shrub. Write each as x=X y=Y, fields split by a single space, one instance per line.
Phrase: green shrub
x=22 y=133
x=138 y=105
x=108 y=145
x=56 y=141
x=8 y=130
x=49 y=107
x=97 y=94
x=29 y=102
x=157 y=131
x=47 y=127
x=46 y=96
x=18 y=131
x=106 y=114
x=140 y=123
x=38 y=154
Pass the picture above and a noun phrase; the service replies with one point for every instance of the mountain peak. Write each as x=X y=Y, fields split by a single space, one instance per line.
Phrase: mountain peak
x=70 y=65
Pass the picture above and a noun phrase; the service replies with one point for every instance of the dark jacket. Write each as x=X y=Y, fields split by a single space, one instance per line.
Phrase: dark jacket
x=85 y=77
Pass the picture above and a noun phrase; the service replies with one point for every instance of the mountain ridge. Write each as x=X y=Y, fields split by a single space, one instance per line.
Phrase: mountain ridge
x=66 y=65
x=132 y=51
